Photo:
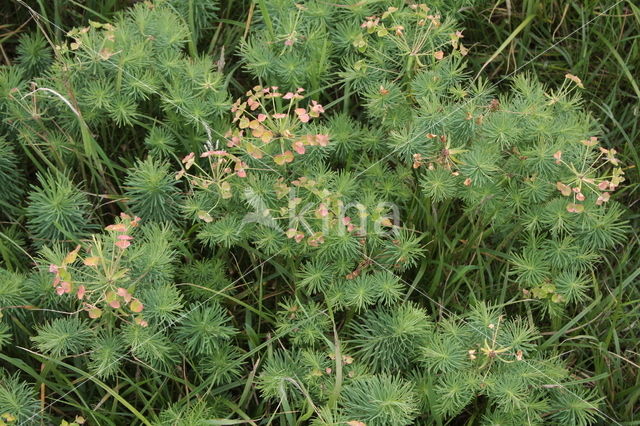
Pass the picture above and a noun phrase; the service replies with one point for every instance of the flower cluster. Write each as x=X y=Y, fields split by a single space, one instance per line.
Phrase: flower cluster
x=97 y=279
x=222 y=167
x=260 y=122
x=390 y=22
x=583 y=184
x=262 y=133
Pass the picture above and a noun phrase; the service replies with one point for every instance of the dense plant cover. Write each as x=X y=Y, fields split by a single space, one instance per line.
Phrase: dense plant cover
x=187 y=241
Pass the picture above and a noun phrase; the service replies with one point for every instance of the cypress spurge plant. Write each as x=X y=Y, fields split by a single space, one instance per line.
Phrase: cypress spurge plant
x=531 y=153
x=121 y=285
x=112 y=83
x=452 y=364
x=295 y=256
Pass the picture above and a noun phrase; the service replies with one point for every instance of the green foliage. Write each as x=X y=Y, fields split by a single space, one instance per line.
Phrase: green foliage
x=439 y=184
x=106 y=355
x=11 y=289
x=388 y=339
x=63 y=337
x=57 y=210
x=160 y=141
x=5 y=335
x=204 y=329
x=576 y=407
x=199 y=15
x=280 y=376
x=380 y=400
x=154 y=258
x=486 y=355
x=151 y=346
x=33 y=53
x=162 y=303
x=293 y=320
x=18 y=401
x=206 y=279
x=152 y=192
x=368 y=235
x=223 y=365
x=191 y=414
x=11 y=180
